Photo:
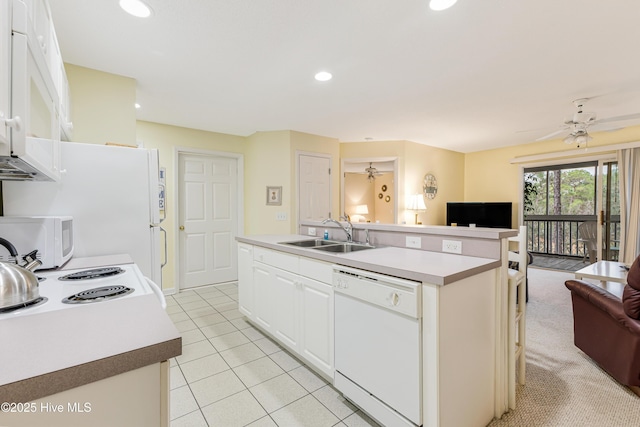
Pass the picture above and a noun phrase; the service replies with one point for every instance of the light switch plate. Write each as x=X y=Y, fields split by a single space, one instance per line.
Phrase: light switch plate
x=281 y=216
x=311 y=231
x=452 y=246
x=414 y=242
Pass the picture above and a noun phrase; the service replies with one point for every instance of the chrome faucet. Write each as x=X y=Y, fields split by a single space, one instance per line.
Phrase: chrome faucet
x=348 y=229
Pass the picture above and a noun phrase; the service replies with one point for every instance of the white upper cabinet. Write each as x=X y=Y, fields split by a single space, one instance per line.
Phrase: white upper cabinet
x=5 y=70
x=36 y=107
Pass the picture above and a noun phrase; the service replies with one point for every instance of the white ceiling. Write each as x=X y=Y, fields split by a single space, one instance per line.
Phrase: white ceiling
x=483 y=74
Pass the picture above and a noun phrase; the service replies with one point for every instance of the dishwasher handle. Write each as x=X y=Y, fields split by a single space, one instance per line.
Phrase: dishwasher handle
x=404 y=300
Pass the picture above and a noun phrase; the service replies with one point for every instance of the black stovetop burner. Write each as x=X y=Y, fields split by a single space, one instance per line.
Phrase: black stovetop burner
x=98 y=294
x=95 y=273
x=33 y=303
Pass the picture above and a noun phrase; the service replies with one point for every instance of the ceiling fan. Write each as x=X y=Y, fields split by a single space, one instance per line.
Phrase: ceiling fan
x=372 y=172
x=582 y=121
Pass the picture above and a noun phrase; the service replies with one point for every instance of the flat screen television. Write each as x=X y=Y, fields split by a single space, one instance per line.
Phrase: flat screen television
x=482 y=214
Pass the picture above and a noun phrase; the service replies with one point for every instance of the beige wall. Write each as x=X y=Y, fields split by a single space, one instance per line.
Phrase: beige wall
x=414 y=162
x=102 y=106
x=383 y=209
x=271 y=161
x=380 y=149
x=359 y=191
x=308 y=143
x=102 y=111
x=448 y=168
x=267 y=163
x=166 y=138
x=489 y=175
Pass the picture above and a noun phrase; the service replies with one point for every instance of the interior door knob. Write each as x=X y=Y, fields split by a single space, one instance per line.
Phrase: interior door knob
x=182 y=227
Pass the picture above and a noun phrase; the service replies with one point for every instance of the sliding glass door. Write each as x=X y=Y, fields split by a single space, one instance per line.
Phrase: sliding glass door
x=573 y=210
x=609 y=217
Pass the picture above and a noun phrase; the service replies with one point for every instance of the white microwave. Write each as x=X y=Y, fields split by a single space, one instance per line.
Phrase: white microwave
x=52 y=236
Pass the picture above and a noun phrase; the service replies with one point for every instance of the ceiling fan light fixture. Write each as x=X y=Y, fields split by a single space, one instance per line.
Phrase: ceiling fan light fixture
x=583 y=139
x=136 y=8
x=569 y=139
x=372 y=172
x=441 y=4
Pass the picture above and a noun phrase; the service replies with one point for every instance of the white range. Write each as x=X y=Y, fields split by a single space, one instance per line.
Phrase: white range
x=69 y=288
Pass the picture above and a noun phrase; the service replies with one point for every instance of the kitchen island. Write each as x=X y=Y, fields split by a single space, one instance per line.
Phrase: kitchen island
x=100 y=364
x=287 y=291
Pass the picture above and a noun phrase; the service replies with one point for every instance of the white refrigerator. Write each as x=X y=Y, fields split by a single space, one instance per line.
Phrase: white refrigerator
x=112 y=193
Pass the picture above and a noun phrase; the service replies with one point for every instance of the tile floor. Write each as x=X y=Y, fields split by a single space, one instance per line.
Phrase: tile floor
x=230 y=374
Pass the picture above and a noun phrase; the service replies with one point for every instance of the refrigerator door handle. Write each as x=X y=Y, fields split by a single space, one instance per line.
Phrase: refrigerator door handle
x=166 y=254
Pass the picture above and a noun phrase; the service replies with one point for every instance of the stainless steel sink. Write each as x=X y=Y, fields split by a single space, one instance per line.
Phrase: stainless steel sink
x=329 y=245
x=310 y=243
x=344 y=247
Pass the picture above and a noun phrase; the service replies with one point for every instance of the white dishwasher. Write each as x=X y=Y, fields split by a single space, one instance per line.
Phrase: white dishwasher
x=378 y=345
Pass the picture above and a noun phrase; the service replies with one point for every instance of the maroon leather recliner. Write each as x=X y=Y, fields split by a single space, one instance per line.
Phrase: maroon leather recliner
x=606 y=328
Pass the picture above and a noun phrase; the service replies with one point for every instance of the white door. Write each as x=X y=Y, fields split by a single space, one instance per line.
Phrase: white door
x=208 y=219
x=314 y=187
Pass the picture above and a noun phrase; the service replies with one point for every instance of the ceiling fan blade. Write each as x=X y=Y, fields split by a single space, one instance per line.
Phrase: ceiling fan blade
x=605 y=127
x=618 y=118
x=552 y=134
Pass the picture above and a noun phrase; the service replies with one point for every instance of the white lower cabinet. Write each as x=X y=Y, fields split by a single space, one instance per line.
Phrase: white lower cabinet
x=316 y=323
x=263 y=291
x=245 y=276
x=293 y=308
x=284 y=303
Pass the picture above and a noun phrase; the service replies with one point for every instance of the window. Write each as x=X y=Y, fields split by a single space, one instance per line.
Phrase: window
x=562 y=189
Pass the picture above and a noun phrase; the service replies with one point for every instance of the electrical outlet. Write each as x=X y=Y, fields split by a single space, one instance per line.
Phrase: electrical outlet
x=311 y=231
x=452 y=246
x=414 y=242
x=281 y=216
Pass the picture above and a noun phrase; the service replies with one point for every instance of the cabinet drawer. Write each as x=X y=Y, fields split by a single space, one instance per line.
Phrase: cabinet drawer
x=318 y=270
x=277 y=259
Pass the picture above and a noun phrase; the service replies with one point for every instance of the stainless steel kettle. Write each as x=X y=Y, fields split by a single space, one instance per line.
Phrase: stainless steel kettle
x=18 y=284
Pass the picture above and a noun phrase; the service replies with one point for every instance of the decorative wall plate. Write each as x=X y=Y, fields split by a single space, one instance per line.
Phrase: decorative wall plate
x=430 y=187
x=387 y=199
x=379 y=195
x=384 y=187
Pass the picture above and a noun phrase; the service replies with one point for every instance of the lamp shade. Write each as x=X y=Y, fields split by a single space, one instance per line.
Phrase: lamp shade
x=362 y=210
x=415 y=202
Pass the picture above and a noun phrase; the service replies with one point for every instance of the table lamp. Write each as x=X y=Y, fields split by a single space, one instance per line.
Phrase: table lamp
x=416 y=204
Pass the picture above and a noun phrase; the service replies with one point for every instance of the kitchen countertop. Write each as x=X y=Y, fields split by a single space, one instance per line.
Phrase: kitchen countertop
x=50 y=352
x=428 y=267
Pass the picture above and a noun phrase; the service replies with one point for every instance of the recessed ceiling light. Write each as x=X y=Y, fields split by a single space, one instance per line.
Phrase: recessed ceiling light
x=441 y=4
x=136 y=8
x=323 y=76
x=137 y=106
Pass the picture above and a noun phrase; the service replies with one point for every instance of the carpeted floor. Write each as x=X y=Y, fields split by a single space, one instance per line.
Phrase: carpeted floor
x=563 y=386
